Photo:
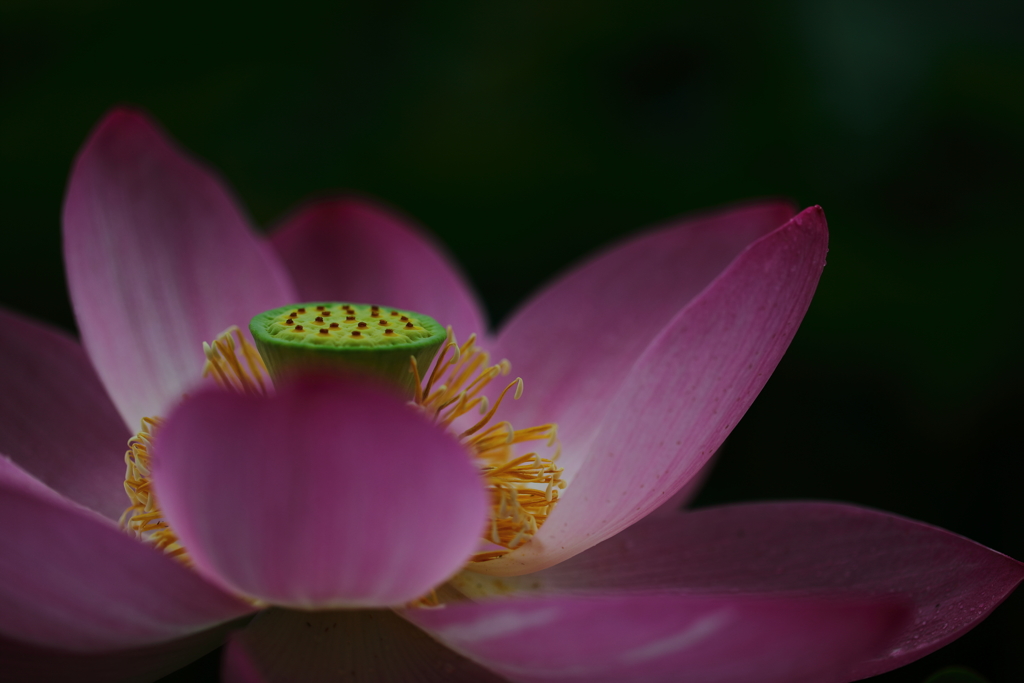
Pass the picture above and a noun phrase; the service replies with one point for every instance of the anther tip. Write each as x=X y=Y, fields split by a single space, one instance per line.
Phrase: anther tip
x=519 y=388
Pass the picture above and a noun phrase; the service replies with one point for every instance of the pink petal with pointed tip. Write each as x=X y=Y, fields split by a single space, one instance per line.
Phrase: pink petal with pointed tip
x=332 y=493
x=699 y=639
x=159 y=259
x=352 y=250
x=70 y=579
x=684 y=394
x=810 y=549
x=56 y=420
x=574 y=344
x=285 y=646
x=24 y=663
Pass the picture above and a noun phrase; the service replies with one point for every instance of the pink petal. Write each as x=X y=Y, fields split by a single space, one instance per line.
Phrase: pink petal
x=55 y=418
x=684 y=393
x=574 y=344
x=159 y=259
x=34 y=664
x=15 y=478
x=682 y=498
x=823 y=550
x=665 y=637
x=332 y=493
x=69 y=579
x=352 y=250
x=284 y=646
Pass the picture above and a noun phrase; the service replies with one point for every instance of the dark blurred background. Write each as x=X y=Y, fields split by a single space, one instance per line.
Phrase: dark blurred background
x=524 y=134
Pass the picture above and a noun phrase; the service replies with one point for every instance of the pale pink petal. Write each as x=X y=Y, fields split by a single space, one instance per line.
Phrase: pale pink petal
x=807 y=549
x=331 y=493
x=370 y=646
x=24 y=663
x=353 y=250
x=669 y=638
x=159 y=259
x=684 y=394
x=574 y=344
x=56 y=420
x=69 y=579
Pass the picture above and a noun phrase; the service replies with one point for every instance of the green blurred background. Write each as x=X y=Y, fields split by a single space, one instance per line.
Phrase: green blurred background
x=526 y=133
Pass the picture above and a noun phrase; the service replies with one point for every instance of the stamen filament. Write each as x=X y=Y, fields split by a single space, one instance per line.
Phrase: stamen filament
x=518 y=384
x=523 y=487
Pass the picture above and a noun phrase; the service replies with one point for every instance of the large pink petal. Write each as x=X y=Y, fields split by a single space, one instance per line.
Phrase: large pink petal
x=699 y=639
x=370 y=646
x=331 y=493
x=69 y=579
x=24 y=663
x=352 y=250
x=159 y=260
x=56 y=420
x=574 y=344
x=684 y=393
x=808 y=549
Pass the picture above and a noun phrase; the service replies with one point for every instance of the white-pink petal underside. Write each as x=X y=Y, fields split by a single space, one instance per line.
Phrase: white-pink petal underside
x=665 y=638
x=332 y=493
x=575 y=343
x=56 y=420
x=353 y=250
x=683 y=394
x=808 y=549
x=159 y=259
x=69 y=579
x=370 y=646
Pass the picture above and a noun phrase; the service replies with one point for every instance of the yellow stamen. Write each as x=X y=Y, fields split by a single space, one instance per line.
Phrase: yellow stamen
x=144 y=518
x=523 y=488
x=222 y=362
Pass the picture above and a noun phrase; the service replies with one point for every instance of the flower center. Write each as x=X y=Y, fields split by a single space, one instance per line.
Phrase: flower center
x=523 y=486
x=320 y=337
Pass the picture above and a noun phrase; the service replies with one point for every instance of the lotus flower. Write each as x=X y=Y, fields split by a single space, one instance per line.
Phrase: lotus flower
x=330 y=508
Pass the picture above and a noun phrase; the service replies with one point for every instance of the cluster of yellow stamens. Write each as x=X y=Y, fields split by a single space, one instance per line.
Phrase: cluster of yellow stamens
x=144 y=517
x=523 y=488
x=223 y=364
